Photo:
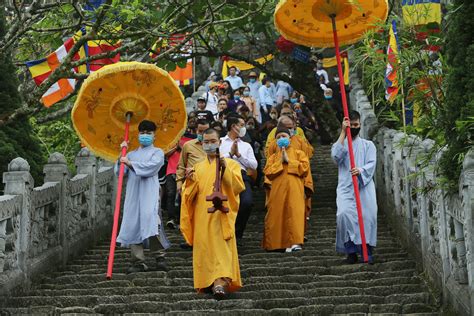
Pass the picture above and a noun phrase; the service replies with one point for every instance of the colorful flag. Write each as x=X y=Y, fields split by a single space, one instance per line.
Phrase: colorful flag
x=418 y=12
x=102 y=46
x=182 y=76
x=391 y=80
x=41 y=69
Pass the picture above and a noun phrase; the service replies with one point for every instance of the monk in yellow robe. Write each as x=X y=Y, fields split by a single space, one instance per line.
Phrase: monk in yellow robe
x=299 y=143
x=285 y=219
x=212 y=235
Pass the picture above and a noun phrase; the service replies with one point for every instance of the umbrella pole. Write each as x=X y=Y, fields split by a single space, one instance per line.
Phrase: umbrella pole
x=118 y=198
x=355 y=182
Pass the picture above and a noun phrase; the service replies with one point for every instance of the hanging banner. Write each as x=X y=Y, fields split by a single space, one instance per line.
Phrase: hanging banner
x=418 y=12
x=242 y=65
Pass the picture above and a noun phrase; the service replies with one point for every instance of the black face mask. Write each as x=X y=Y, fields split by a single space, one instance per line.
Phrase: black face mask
x=355 y=131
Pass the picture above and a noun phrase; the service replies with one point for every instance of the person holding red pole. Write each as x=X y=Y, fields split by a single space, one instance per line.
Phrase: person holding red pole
x=348 y=238
x=142 y=224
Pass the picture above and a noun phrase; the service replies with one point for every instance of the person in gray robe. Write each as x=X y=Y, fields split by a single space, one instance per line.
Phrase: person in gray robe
x=142 y=223
x=348 y=239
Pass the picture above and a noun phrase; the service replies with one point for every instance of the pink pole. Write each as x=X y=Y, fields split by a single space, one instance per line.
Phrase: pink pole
x=355 y=182
x=113 y=241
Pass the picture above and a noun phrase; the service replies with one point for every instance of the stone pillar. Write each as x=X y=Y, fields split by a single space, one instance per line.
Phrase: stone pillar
x=18 y=181
x=86 y=163
x=56 y=170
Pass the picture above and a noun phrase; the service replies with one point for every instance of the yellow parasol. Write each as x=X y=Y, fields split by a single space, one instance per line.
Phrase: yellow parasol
x=144 y=90
x=111 y=104
x=309 y=22
x=314 y=23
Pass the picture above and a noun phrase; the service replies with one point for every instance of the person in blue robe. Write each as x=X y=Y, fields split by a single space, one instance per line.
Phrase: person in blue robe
x=348 y=239
x=142 y=224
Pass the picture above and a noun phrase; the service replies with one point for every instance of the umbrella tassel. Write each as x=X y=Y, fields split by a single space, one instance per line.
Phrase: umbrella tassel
x=355 y=182
x=118 y=197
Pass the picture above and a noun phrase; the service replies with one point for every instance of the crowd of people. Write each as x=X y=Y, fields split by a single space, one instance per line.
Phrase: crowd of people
x=258 y=132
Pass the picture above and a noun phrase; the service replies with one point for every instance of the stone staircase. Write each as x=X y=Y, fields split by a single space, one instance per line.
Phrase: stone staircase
x=313 y=281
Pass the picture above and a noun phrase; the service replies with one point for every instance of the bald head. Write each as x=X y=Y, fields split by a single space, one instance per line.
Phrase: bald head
x=286 y=121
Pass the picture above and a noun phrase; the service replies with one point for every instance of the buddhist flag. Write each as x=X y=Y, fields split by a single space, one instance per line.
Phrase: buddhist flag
x=419 y=12
x=391 y=81
x=102 y=46
x=182 y=76
x=42 y=68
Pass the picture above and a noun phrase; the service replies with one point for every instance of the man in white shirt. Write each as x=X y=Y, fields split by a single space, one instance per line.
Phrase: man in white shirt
x=235 y=81
x=212 y=98
x=266 y=100
x=322 y=73
x=233 y=147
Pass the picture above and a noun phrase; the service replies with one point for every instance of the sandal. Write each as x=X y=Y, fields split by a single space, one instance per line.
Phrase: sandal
x=219 y=292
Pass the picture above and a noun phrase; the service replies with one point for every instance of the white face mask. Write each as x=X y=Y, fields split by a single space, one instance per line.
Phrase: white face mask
x=242 y=132
x=210 y=148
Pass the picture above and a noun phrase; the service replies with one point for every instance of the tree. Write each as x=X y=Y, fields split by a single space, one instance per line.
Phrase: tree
x=15 y=139
x=241 y=30
x=458 y=112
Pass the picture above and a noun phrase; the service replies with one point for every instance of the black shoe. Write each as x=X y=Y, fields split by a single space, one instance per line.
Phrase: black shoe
x=171 y=224
x=219 y=292
x=185 y=246
x=137 y=267
x=161 y=264
x=351 y=258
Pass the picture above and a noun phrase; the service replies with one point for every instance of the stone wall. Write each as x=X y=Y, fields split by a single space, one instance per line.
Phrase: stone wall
x=436 y=226
x=42 y=227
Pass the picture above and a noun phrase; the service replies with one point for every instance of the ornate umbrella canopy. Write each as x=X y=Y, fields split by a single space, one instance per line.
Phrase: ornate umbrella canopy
x=144 y=90
x=309 y=23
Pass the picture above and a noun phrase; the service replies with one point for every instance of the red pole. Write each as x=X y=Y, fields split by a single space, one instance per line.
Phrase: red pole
x=113 y=241
x=349 y=142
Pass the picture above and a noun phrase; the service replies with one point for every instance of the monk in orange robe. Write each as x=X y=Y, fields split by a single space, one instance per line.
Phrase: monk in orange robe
x=212 y=235
x=299 y=143
x=285 y=219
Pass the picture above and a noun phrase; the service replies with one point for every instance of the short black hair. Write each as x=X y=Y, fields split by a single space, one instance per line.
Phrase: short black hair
x=217 y=124
x=202 y=122
x=232 y=67
x=232 y=120
x=146 y=125
x=212 y=131
x=354 y=115
x=264 y=81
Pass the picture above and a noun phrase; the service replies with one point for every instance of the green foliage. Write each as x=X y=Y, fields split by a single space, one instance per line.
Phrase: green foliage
x=457 y=117
x=58 y=136
x=443 y=96
x=16 y=139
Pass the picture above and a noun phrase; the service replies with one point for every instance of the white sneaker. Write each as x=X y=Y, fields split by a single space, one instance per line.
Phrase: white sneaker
x=294 y=248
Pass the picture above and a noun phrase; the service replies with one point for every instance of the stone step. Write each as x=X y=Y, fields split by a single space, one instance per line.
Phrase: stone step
x=309 y=282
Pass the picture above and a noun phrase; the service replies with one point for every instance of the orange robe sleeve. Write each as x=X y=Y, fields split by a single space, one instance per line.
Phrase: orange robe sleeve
x=188 y=196
x=300 y=165
x=274 y=166
x=232 y=185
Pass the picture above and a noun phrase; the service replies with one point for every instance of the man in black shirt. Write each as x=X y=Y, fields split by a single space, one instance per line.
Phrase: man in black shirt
x=201 y=113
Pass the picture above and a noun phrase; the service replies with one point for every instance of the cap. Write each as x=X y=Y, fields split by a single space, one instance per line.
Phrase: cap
x=282 y=130
x=252 y=74
x=213 y=84
x=201 y=99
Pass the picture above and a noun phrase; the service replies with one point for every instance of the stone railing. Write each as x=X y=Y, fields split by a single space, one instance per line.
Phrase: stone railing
x=436 y=226
x=41 y=228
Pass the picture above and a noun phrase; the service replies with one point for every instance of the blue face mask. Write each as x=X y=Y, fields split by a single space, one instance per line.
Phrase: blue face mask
x=236 y=97
x=145 y=139
x=283 y=142
x=328 y=97
x=252 y=80
x=293 y=100
x=200 y=137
